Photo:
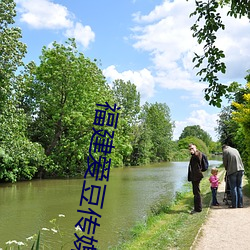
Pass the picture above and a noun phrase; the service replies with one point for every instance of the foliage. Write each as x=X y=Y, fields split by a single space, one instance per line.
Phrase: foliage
x=128 y=98
x=12 y=50
x=227 y=127
x=205 y=28
x=47 y=111
x=215 y=148
x=242 y=116
x=20 y=157
x=142 y=145
x=149 y=131
x=181 y=155
x=63 y=92
x=157 y=122
x=196 y=131
x=233 y=125
x=201 y=146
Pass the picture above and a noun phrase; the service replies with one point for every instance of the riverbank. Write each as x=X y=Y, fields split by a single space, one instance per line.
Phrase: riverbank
x=171 y=227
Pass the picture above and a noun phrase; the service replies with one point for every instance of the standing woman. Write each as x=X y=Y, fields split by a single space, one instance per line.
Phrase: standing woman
x=195 y=175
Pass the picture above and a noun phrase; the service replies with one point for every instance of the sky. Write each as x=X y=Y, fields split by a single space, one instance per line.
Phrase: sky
x=147 y=42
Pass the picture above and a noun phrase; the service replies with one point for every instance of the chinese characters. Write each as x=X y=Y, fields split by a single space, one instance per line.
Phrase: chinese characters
x=99 y=163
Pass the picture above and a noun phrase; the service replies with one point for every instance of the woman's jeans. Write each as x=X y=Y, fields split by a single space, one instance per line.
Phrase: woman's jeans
x=235 y=182
x=214 y=196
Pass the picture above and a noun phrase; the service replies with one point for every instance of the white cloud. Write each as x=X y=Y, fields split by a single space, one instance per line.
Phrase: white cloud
x=44 y=14
x=165 y=33
x=167 y=36
x=235 y=41
x=159 y=12
x=143 y=80
x=83 y=34
x=208 y=122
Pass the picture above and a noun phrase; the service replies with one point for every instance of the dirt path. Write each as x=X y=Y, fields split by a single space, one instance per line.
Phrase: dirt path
x=225 y=228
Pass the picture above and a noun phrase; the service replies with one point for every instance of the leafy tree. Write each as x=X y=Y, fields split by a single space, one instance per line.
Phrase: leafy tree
x=63 y=92
x=231 y=124
x=227 y=127
x=157 y=122
x=241 y=115
x=128 y=98
x=207 y=24
x=183 y=144
x=12 y=50
x=215 y=147
x=196 y=131
x=179 y=154
x=142 y=145
x=230 y=130
x=20 y=158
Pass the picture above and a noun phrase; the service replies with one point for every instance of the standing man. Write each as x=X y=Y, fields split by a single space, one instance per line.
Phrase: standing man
x=235 y=170
x=195 y=175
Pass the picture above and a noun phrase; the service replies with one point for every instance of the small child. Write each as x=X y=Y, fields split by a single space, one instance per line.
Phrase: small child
x=214 y=185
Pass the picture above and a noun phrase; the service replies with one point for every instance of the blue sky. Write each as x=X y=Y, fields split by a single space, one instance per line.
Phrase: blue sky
x=148 y=42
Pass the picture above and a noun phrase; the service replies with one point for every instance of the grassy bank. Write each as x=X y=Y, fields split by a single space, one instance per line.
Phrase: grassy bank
x=172 y=226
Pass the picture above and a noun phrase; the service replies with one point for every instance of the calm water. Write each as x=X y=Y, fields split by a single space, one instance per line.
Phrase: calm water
x=27 y=207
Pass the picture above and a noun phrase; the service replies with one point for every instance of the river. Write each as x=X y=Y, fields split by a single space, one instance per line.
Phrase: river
x=27 y=207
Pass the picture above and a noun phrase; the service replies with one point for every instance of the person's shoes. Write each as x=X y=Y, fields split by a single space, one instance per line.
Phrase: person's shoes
x=194 y=212
x=217 y=204
x=240 y=206
x=231 y=206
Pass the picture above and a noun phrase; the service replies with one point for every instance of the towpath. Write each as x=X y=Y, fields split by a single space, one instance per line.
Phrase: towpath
x=225 y=228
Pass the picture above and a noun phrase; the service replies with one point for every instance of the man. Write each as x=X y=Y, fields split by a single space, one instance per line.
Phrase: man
x=235 y=169
x=195 y=175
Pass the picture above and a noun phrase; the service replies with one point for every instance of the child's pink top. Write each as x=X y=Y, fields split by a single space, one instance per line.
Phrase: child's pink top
x=214 y=181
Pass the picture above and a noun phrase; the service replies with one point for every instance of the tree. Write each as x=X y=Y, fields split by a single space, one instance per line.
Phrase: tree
x=12 y=51
x=208 y=23
x=128 y=98
x=242 y=116
x=63 y=92
x=157 y=122
x=233 y=123
x=229 y=130
x=227 y=127
x=142 y=145
x=184 y=142
x=196 y=131
x=20 y=158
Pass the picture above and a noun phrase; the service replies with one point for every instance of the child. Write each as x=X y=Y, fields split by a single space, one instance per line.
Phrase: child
x=214 y=185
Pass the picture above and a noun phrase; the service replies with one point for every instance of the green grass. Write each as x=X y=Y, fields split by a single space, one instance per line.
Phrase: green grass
x=170 y=226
